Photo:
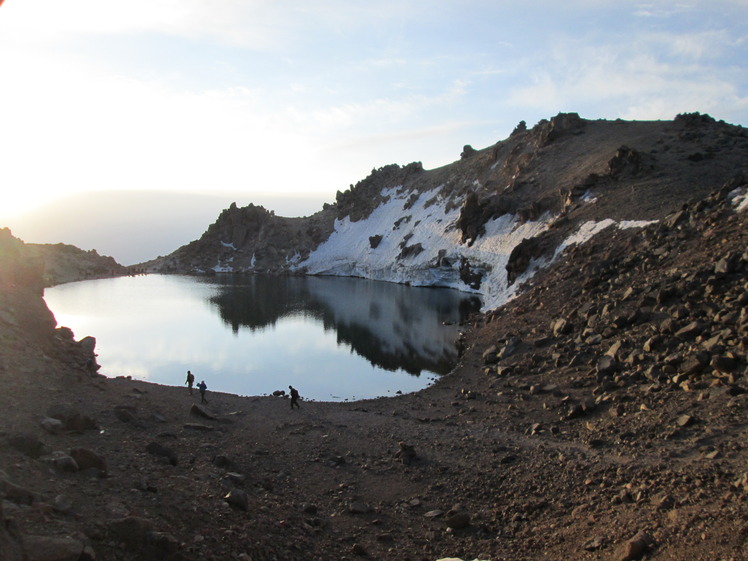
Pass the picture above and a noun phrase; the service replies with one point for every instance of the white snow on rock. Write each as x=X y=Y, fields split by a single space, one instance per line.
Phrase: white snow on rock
x=739 y=198
x=401 y=223
x=348 y=251
x=626 y=224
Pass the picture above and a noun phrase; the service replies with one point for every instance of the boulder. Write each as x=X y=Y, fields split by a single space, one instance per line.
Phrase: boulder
x=125 y=413
x=359 y=507
x=636 y=547
x=406 y=453
x=52 y=426
x=88 y=459
x=164 y=452
x=457 y=518
x=55 y=548
x=11 y=546
x=131 y=530
x=237 y=499
x=198 y=411
x=27 y=444
x=160 y=545
x=690 y=331
x=62 y=462
x=15 y=493
x=561 y=327
x=72 y=419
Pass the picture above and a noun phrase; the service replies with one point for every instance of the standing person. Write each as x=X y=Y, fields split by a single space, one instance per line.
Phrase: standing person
x=190 y=380
x=202 y=387
x=294 y=397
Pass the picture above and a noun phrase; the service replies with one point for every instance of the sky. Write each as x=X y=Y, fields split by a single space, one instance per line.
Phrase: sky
x=184 y=106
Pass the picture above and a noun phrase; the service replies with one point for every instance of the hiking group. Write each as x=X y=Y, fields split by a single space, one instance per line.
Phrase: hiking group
x=202 y=386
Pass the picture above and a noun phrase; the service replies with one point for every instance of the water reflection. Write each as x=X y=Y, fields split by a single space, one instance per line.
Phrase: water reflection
x=333 y=338
x=392 y=326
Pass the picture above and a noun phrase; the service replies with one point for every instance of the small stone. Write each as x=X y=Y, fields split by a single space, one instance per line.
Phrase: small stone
x=358 y=507
x=636 y=547
x=52 y=426
x=162 y=451
x=359 y=550
x=62 y=462
x=690 y=331
x=87 y=459
x=237 y=498
x=132 y=530
x=458 y=520
x=684 y=420
x=594 y=544
x=198 y=427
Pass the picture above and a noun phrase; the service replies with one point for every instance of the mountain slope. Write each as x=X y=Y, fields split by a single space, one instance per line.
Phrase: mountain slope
x=490 y=219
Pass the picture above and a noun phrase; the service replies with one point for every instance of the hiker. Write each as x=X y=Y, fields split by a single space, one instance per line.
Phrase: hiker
x=202 y=387
x=190 y=380
x=294 y=397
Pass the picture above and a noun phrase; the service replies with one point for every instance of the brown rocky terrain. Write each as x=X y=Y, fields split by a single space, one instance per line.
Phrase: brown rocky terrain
x=60 y=263
x=600 y=415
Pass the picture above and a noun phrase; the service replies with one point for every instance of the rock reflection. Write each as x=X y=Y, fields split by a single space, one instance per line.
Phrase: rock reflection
x=390 y=325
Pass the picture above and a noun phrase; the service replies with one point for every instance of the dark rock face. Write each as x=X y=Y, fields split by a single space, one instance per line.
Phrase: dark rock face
x=523 y=254
x=469 y=276
x=467 y=152
x=475 y=213
x=626 y=161
x=560 y=125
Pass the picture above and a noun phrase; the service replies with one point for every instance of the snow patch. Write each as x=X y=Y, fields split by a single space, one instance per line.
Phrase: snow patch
x=421 y=246
x=626 y=224
x=739 y=198
x=584 y=234
x=349 y=252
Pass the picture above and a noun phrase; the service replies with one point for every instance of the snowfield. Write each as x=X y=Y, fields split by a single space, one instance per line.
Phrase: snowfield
x=404 y=224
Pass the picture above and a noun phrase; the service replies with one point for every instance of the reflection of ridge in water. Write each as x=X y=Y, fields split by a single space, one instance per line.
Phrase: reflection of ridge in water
x=257 y=301
x=392 y=326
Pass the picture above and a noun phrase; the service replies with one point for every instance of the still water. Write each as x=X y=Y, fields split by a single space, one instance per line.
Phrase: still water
x=333 y=338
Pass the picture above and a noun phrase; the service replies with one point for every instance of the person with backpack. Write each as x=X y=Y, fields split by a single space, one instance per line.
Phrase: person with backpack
x=190 y=380
x=294 y=397
x=202 y=387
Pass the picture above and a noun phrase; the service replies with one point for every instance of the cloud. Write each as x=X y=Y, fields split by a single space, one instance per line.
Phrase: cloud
x=253 y=24
x=257 y=24
x=653 y=76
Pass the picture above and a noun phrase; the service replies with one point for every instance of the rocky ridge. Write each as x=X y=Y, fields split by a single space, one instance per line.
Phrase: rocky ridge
x=543 y=184
x=60 y=263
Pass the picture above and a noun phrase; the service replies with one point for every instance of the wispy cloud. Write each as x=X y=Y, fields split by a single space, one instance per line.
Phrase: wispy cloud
x=651 y=76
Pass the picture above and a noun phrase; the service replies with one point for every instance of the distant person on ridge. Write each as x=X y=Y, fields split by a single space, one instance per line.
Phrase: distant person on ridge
x=202 y=387
x=294 y=397
x=190 y=380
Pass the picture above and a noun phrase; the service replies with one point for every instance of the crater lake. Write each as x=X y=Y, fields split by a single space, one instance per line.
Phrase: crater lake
x=333 y=338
